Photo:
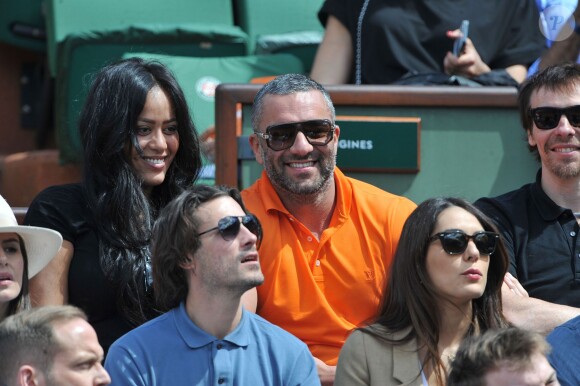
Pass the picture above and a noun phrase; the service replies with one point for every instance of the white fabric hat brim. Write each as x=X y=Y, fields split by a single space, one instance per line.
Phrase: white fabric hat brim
x=41 y=245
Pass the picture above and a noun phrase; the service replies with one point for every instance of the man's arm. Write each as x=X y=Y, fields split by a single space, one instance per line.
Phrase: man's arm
x=531 y=313
x=325 y=372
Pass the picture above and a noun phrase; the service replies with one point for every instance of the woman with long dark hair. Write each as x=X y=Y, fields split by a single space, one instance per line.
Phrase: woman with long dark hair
x=140 y=151
x=444 y=284
x=24 y=251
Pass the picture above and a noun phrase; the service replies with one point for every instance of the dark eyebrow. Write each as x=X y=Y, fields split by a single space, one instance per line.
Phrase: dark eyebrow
x=152 y=121
x=15 y=239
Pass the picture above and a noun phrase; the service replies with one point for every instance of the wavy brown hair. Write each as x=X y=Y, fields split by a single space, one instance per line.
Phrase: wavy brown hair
x=175 y=238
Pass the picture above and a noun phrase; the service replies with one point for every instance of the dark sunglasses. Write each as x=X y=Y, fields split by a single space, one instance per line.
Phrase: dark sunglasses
x=229 y=227
x=280 y=137
x=455 y=242
x=547 y=118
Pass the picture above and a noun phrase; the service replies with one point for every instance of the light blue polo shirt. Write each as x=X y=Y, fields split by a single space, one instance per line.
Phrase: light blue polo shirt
x=172 y=350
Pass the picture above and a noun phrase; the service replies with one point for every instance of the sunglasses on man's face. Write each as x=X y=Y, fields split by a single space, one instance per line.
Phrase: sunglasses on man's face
x=229 y=227
x=318 y=132
x=547 y=118
x=455 y=242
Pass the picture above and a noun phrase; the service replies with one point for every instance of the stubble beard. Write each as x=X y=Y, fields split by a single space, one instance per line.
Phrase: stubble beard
x=563 y=170
x=281 y=181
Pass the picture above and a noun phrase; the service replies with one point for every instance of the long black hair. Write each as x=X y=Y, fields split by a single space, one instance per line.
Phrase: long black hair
x=123 y=214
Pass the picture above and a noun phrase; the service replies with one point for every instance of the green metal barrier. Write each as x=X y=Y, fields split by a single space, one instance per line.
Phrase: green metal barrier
x=279 y=26
x=22 y=24
x=84 y=35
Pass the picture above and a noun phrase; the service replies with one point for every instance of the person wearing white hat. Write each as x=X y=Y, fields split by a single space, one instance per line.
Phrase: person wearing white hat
x=24 y=251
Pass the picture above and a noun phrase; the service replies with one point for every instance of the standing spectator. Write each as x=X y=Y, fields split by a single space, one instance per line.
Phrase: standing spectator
x=204 y=258
x=539 y=221
x=140 y=151
x=505 y=357
x=381 y=42
x=444 y=285
x=330 y=238
x=24 y=251
x=52 y=345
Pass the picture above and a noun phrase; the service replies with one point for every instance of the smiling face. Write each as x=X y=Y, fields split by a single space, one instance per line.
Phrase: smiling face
x=459 y=277
x=78 y=360
x=11 y=270
x=302 y=169
x=158 y=138
x=559 y=148
x=218 y=264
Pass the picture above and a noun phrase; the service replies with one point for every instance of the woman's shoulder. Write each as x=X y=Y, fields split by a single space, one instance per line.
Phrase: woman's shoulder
x=379 y=335
x=57 y=202
x=68 y=193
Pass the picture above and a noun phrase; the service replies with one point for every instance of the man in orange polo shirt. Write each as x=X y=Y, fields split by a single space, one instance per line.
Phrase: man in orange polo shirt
x=328 y=239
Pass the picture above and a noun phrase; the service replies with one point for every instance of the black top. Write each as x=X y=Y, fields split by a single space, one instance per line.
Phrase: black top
x=400 y=37
x=64 y=209
x=541 y=239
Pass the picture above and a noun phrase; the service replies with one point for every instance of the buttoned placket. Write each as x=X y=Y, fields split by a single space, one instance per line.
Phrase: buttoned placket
x=571 y=228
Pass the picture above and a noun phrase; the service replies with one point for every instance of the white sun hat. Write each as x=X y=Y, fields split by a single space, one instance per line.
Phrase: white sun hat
x=41 y=244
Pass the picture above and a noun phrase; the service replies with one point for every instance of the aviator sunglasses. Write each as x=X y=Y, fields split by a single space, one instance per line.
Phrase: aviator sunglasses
x=229 y=227
x=455 y=242
x=318 y=132
x=547 y=118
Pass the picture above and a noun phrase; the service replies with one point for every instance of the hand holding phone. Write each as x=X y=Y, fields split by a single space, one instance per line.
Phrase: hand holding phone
x=460 y=41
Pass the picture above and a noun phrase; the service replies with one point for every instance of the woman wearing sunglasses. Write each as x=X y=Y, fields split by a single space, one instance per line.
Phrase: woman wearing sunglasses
x=444 y=285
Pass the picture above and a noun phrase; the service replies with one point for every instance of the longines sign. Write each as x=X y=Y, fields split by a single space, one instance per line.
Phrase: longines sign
x=379 y=144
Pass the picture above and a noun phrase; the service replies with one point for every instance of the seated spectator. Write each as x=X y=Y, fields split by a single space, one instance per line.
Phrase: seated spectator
x=444 y=285
x=24 y=251
x=204 y=259
x=539 y=221
x=140 y=151
x=331 y=237
x=52 y=345
x=561 y=27
x=382 y=42
x=565 y=354
x=505 y=357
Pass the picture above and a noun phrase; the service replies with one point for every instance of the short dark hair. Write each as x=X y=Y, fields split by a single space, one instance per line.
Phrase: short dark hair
x=285 y=85
x=175 y=237
x=477 y=355
x=560 y=77
x=28 y=338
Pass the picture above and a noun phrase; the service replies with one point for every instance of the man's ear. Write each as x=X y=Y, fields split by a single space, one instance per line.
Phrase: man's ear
x=189 y=263
x=255 y=144
x=29 y=376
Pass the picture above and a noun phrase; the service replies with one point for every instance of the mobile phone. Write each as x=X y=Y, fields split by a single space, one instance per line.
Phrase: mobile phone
x=460 y=41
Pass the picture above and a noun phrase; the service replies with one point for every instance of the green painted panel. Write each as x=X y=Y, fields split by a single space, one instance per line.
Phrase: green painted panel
x=368 y=145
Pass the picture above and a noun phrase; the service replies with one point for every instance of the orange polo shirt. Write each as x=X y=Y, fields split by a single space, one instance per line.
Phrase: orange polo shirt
x=320 y=290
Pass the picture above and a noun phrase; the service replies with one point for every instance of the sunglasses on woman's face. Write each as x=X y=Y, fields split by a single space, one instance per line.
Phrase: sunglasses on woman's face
x=455 y=242
x=229 y=227
x=547 y=118
x=318 y=132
